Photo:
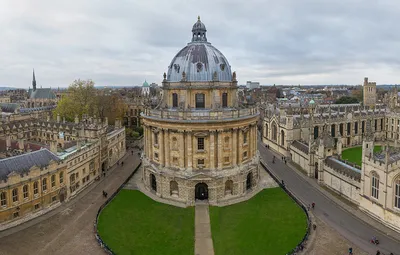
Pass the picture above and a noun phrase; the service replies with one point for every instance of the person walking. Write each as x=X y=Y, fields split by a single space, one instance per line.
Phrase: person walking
x=350 y=251
x=313 y=205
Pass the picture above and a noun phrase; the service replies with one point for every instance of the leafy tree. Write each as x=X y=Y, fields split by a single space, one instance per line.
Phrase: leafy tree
x=347 y=100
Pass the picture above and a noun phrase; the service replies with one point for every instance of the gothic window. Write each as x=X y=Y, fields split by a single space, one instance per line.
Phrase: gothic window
x=356 y=127
x=15 y=195
x=44 y=184
x=348 y=128
x=341 y=129
x=35 y=187
x=25 y=191
x=375 y=186
x=333 y=130
x=376 y=125
x=200 y=101
x=363 y=127
x=274 y=132
x=381 y=124
x=3 y=199
x=174 y=100
x=316 y=129
x=61 y=177
x=200 y=143
x=224 y=99
x=266 y=130
x=282 y=138
x=53 y=181
x=397 y=193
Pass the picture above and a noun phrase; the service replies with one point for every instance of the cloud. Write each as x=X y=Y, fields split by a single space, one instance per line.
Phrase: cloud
x=126 y=42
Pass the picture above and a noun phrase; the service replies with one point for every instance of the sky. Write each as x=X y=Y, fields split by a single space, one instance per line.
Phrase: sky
x=123 y=42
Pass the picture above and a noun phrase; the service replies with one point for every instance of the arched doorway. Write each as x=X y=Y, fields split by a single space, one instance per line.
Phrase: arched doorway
x=249 y=181
x=62 y=194
x=316 y=171
x=229 y=187
x=201 y=191
x=153 y=182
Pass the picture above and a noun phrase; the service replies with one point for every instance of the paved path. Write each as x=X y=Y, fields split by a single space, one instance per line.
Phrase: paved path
x=69 y=228
x=203 y=240
x=351 y=227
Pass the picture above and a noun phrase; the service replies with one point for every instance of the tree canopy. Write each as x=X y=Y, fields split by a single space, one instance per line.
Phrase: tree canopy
x=347 y=100
x=83 y=98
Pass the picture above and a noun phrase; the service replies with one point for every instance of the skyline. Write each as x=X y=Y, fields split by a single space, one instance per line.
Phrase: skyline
x=285 y=42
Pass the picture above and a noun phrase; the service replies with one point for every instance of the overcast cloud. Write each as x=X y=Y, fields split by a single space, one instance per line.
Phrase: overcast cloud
x=125 y=42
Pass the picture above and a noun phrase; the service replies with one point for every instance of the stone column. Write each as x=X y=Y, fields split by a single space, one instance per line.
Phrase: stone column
x=212 y=149
x=220 y=148
x=189 y=150
x=161 y=147
x=151 y=143
x=167 y=149
x=182 y=148
x=234 y=146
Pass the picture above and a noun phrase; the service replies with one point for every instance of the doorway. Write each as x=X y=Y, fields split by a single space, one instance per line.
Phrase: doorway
x=201 y=191
x=153 y=182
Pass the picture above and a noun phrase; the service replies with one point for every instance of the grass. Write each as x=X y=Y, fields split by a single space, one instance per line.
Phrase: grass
x=355 y=154
x=269 y=223
x=135 y=224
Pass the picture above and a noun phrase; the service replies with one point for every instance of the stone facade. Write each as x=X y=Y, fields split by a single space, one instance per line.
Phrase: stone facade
x=200 y=142
x=314 y=136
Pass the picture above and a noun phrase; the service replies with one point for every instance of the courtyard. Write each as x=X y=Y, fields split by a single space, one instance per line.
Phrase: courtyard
x=269 y=223
x=354 y=154
x=135 y=224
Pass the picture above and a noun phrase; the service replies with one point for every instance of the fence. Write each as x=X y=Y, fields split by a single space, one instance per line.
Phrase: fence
x=97 y=236
x=300 y=246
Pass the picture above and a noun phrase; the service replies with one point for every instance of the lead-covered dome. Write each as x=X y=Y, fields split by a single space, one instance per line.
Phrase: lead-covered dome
x=199 y=60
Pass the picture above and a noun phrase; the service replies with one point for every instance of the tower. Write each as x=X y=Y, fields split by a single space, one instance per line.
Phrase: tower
x=369 y=89
x=34 y=81
x=368 y=141
x=145 y=89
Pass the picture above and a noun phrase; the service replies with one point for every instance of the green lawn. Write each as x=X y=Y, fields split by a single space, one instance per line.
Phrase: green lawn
x=355 y=154
x=269 y=223
x=135 y=224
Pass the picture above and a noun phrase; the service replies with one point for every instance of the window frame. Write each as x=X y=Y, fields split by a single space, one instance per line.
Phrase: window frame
x=375 y=186
x=25 y=192
x=15 y=197
x=200 y=143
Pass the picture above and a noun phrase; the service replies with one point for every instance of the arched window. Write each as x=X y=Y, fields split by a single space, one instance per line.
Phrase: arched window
x=375 y=186
x=224 y=99
x=3 y=199
x=282 y=138
x=226 y=142
x=35 y=187
x=333 y=130
x=25 y=191
x=229 y=187
x=249 y=181
x=397 y=193
x=174 y=190
x=316 y=129
x=174 y=100
x=44 y=184
x=174 y=143
x=15 y=195
x=266 y=130
x=200 y=101
x=274 y=132
x=53 y=180
x=61 y=177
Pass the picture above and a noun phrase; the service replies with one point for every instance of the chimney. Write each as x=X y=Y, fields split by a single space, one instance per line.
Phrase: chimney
x=21 y=144
x=53 y=146
x=58 y=118
x=76 y=119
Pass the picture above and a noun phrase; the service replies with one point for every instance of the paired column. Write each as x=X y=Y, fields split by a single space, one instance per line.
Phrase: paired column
x=166 y=147
x=212 y=149
x=220 y=148
x=234 y=145
x=189 y=150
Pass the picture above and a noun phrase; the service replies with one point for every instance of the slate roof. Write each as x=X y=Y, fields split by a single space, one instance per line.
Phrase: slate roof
x=343 y=168
x=45 y=93
x=301 y=146
x=9 y=107
x=22 y=163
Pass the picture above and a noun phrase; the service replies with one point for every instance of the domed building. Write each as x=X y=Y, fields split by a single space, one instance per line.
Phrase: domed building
x=200 y=141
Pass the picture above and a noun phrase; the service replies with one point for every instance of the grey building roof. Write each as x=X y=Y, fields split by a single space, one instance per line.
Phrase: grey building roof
x=45 y=93
x=343 y=168
x=199 y=60
x=22 y=163
x=301 y=146
x=9 y=107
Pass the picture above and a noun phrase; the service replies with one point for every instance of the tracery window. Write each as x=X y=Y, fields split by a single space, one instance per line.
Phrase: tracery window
x=397 y=193
x=274 y=132
x=375 y=186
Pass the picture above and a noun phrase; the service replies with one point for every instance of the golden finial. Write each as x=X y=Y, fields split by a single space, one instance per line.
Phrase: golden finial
x=198 y=18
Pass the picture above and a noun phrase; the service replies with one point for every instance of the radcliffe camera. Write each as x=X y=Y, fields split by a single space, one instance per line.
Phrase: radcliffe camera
x=205 y=128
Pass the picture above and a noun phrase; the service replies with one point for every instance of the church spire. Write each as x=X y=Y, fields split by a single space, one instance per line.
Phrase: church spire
x=34 y=81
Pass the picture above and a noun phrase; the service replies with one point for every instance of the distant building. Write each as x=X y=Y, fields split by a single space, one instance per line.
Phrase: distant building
x=39 y=97
x=252 y=85
x=369 y=92
x=145 y=89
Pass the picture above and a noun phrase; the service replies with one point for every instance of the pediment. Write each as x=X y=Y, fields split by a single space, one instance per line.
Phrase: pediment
x=200 y=176
x=200 y=134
